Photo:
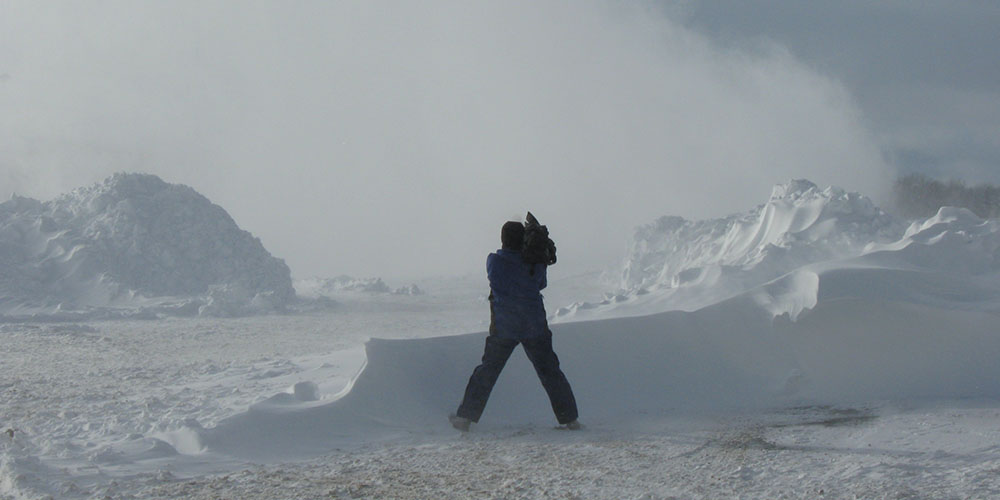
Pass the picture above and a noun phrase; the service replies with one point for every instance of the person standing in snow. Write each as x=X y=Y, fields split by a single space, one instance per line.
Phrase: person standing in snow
x=517 y=316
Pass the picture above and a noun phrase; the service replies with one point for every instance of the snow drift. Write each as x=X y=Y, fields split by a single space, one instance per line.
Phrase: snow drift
x=674 y=263
x=731 y=355
x=132 y=244
x=859 y=320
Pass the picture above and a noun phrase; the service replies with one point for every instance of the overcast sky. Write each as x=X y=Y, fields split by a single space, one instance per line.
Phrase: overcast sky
x=394 y=138
x=925 y=73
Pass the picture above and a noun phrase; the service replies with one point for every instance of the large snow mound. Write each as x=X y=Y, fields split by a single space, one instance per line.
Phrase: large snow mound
x=799 y=224
x=128 y=244
x=675 y=263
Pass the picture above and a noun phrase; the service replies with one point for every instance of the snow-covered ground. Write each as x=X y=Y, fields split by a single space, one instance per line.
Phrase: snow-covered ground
x=811 y=348
x=89 y=402
x=948 y=450
x=85 y=401
x=82 y=400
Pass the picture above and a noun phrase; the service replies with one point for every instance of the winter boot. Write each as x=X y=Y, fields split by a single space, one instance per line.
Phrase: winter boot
x=460 y=423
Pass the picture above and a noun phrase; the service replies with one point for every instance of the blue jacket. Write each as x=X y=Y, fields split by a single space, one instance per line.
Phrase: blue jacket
x=515 y=298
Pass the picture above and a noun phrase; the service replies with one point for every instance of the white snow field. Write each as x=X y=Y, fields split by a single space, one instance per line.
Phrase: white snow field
x=815 y=347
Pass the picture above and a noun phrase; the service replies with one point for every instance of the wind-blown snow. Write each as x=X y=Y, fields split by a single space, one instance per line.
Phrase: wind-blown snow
x=674 y=263
x=799 y=224
x=129 y=243
x=813 y=346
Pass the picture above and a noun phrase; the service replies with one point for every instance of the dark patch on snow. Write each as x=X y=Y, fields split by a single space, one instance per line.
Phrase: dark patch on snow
x=828 y=416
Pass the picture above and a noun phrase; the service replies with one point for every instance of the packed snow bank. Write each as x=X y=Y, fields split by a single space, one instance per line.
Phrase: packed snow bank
x=736 y=354
x=129 y=244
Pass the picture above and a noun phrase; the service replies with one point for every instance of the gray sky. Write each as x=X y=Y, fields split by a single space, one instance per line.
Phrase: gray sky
x=394 y=138
x=925 y=73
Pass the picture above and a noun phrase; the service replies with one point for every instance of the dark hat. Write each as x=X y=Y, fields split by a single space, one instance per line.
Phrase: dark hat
x=512 y=235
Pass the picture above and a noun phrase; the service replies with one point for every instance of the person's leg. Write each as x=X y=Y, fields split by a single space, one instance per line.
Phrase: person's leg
x=484 y=377
x=539 y=351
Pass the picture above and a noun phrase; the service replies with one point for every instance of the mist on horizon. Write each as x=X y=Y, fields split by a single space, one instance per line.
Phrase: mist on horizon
x=394 y=141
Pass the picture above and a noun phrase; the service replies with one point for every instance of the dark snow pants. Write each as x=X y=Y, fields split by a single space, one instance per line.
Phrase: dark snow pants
x=539 y=351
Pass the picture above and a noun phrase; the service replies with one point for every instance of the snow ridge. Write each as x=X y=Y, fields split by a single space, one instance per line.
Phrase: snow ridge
x=799 y=224
x=128 y=243
x=675 y=263
x=954 y=240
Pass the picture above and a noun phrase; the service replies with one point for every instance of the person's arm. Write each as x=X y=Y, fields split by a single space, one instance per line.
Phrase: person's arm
x=543 y=279
x=497 y=277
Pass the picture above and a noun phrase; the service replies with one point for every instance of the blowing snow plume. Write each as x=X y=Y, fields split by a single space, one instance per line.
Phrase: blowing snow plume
x=132 y=244
x=432 y=119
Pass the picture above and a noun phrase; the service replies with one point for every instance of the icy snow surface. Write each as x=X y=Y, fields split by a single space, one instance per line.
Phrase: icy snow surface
x=132 y=245
x=857 y=358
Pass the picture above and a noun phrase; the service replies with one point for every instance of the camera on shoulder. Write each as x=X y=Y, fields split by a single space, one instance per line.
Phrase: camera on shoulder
x=538 y=247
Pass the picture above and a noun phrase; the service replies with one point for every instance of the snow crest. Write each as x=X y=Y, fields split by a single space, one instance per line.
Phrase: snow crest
x=954 y=240
x=130 y=245
x=675 y=263
x=799 y=224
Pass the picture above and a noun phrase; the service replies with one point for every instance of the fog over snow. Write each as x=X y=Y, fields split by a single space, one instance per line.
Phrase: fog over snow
x=393 y=139
x=774 y=332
